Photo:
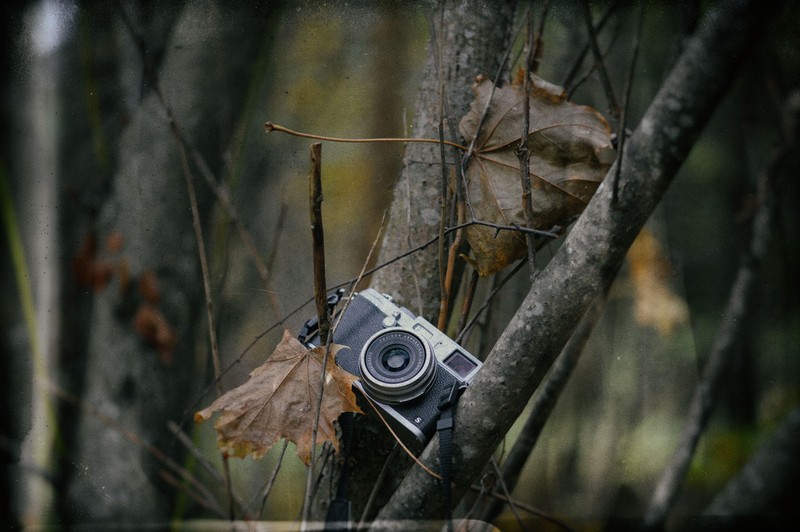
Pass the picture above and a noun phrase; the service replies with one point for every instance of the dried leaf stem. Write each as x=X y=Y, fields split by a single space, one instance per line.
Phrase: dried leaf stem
x=269 y=127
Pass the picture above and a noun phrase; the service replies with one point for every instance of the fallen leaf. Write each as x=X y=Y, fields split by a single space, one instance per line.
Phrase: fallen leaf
x=570 y=153
x=656 y=304
x=280 y=401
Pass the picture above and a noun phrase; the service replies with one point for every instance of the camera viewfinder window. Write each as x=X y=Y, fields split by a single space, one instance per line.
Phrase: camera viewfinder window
x=461 y=365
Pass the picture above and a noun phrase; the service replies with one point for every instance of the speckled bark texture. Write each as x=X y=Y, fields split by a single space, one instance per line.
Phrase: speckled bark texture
x=592 y=252
x=112 y=479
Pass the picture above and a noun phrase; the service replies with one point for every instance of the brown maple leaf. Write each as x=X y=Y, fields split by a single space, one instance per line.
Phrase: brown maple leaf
x=280 y=401
x=570 y=153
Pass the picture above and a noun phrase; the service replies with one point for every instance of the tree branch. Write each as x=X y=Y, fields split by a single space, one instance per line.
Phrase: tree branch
x=590 y=255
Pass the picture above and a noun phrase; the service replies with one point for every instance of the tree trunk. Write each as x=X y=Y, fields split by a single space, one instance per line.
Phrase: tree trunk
x=141 y=366
x=471 y=38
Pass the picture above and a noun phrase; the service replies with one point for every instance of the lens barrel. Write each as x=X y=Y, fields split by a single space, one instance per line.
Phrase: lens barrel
x=397 y=366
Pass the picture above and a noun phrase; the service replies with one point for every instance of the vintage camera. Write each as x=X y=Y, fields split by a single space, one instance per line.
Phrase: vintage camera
x=405 y=364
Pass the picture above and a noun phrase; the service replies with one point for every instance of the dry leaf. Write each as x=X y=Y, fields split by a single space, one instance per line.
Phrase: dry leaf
x=656 y=305
x=151 y=324
x=280 y=401
x=570 y=153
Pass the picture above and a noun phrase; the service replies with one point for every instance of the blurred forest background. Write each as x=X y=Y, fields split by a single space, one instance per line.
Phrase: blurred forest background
x=105 y=332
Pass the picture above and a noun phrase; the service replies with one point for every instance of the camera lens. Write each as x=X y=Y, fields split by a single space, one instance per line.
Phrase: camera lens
x=396 y=366
x=396 y=359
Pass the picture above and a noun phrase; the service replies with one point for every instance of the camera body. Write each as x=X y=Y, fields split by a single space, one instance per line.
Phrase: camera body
x=404 y=363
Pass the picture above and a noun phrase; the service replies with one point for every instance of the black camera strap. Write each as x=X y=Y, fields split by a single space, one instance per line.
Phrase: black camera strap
x=445 y=426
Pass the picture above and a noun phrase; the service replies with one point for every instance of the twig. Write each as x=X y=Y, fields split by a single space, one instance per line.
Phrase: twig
x=151 y=449
x=523 y=506
x=444 y=308
x=466 y=305
x=523 y=150
x=599 y=63
x=621 y=130
x=320 y=298
x=201 y=253
x=444 y=292
x=511 y=503
x=223 y=198
x=729 y=332
x=270 y=127
x=610 y=9
x=268 y=488
x=376 y=487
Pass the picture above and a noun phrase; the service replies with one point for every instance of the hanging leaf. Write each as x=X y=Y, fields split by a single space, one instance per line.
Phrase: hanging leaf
x=656 y=304
x=570 y=153
x=280 y=401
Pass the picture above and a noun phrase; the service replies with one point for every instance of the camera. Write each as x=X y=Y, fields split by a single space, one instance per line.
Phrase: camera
x=404 y=363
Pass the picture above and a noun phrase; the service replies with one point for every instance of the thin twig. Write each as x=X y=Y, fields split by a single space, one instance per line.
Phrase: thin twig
x=271 y=482
x=621 y=130
x=222 y=194
x=599 y=63
x=523 y=149
x=318 y=241
x=527 y=507
x=444 y=309
x=511 y=503
x=610 y=9
x=151 y=449
x=201 y=253
x=376 y=487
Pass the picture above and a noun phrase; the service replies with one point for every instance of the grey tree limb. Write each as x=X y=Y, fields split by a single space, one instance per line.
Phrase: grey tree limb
x=593 y=251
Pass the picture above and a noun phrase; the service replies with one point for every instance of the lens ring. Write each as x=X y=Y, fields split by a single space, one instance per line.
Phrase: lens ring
x=397 y=365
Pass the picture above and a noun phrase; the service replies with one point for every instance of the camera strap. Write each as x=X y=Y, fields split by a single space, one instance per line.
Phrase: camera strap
x=445 y=426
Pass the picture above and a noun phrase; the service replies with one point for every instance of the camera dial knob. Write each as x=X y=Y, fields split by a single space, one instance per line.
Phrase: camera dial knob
x=393 y=320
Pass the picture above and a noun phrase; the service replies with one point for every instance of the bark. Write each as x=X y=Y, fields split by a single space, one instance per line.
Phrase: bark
x=471 y=41
x=592 y=252
x=204 y=75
